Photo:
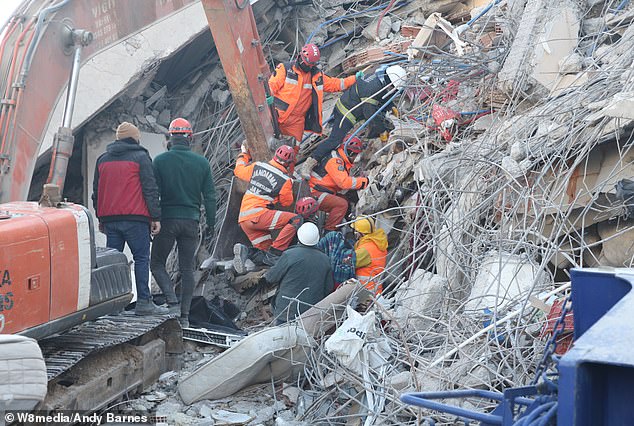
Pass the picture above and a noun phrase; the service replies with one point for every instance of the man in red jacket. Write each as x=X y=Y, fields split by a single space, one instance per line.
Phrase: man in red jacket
x=126 y=199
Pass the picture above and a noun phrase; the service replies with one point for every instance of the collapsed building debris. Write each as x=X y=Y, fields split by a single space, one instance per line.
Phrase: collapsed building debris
x=499 y=176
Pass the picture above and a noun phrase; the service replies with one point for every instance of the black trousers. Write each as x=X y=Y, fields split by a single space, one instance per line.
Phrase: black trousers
x=183 y=232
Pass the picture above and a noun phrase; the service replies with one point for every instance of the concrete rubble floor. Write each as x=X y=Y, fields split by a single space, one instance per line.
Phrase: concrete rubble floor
x=499 y=176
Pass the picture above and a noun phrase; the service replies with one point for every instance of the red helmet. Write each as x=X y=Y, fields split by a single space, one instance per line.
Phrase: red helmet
x=284 y=155
x=180 y=126
x=310 y=54
x=306 y=206
x=353 y=146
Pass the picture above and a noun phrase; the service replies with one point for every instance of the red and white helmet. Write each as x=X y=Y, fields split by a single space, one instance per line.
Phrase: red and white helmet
x=310 y=54
x=306 y=206
x=284 y=155
x=180 y=126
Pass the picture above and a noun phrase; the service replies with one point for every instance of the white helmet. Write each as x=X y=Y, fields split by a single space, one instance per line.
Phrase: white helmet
x=308 y=234
x=397 y=75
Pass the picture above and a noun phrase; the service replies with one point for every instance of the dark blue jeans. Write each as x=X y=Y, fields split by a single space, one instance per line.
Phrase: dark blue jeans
x=137 y=235
x=183 y=232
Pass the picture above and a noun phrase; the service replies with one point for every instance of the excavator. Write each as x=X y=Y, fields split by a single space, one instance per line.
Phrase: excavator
x=52 y=275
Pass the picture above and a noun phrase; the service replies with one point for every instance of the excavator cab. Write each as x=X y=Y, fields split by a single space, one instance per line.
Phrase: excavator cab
x=52 y=276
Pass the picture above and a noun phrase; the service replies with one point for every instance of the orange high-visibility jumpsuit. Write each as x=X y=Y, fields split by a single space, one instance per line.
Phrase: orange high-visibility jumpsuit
x=268 y=184
x=327 y=179
x=299 y=96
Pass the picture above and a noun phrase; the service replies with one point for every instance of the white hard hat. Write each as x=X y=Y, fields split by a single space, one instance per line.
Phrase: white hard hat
x=308 y=234
x=397 y=75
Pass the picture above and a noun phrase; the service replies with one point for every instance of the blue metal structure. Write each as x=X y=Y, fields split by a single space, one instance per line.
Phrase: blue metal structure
x=595 y=377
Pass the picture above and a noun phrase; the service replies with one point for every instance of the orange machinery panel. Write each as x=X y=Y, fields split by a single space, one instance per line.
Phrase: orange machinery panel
x=62 y=258
x=24 y=272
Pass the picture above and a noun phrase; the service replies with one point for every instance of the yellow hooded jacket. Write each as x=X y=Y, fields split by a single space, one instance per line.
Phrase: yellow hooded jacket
x=371 y=250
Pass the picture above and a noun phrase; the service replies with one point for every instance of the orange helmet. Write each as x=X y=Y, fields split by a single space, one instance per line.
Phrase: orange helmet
x=310 y=54
x=284 y=155
x=180 y=126
x=306 y=206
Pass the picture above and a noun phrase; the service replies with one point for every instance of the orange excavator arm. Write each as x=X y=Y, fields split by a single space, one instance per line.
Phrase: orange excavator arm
x=36 y=57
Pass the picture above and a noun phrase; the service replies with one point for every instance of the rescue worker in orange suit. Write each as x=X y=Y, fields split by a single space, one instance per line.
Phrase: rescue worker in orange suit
x=371 y=251
x=297 y=91
x=269 y=184
x=333 y=176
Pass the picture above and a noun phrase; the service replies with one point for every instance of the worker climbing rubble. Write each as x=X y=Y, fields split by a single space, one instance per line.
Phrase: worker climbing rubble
x=126 y=201
x=185 y=183
x=269 y=184
x=360 y=102
x=333 y=176
x=297 y=91
x=304 y=276
x=371 y=252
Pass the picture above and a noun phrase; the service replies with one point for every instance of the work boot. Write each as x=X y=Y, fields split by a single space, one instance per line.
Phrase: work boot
x=174 y=309
x=147 y=307
x=241 y=253
x=272 y=256
x=307 y=167
x=184 y=322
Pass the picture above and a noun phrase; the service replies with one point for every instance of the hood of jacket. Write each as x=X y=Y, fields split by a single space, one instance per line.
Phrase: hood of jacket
x=178 y=140
x=378 y=237
x=121 y=147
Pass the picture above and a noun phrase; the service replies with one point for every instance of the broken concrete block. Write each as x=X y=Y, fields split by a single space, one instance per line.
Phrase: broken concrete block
x=370 y=31
x=519 y=150
x=547 y=33
x=164 y=117
x=484 y=123
x=618 y=244
x=137 y=109
x=292 y=393
x=419 y=301
x=396 y=26
x=511 y=166
x=220 y=96
x=503 y=278
x=620 y=106
x=570 y=64
x=593 y=26
x=230 y=418
x=156 y=97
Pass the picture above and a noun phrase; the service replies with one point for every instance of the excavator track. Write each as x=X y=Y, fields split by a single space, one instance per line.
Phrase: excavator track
x=63 y=351
x=97 y=363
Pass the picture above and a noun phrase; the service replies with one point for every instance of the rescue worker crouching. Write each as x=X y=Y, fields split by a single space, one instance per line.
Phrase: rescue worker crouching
x=371 y=253
x=333 y=176
x=269 y=184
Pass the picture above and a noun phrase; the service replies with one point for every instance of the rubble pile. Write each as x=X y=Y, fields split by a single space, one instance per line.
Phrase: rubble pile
x=499 y=176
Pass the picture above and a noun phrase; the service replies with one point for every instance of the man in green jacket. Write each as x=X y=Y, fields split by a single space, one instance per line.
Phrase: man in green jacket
x=185 y=182
x=304 y=275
